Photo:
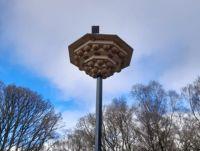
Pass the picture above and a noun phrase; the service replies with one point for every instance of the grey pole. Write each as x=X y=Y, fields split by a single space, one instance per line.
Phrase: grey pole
x=79 y=57
x=98 y=115
x=98 y=130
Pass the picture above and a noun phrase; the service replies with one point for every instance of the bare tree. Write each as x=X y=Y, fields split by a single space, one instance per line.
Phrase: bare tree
x=81 y=138
x=155 y=116
x=189 y=133
x=191 y=93
x=27 y=121
x=119 y=128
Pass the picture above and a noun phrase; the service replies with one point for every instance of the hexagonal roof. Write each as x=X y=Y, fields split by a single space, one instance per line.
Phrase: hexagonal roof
x=100 y=54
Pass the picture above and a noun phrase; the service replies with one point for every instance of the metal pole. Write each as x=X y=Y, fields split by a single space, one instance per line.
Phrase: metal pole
x=98 y=115
x=98 y=130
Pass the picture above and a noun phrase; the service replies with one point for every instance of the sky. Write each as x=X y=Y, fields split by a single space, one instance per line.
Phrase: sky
x=35 y=34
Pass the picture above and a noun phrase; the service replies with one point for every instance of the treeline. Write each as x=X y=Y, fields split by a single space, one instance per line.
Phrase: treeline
x=157 y=120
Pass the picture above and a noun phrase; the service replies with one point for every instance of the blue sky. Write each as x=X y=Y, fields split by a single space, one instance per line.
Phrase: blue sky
x=35 y=34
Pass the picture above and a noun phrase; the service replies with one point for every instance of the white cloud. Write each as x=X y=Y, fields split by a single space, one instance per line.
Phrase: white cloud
x=40 y=32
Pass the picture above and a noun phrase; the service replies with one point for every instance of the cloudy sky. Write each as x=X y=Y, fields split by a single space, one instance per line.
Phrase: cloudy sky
x=35 y=34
